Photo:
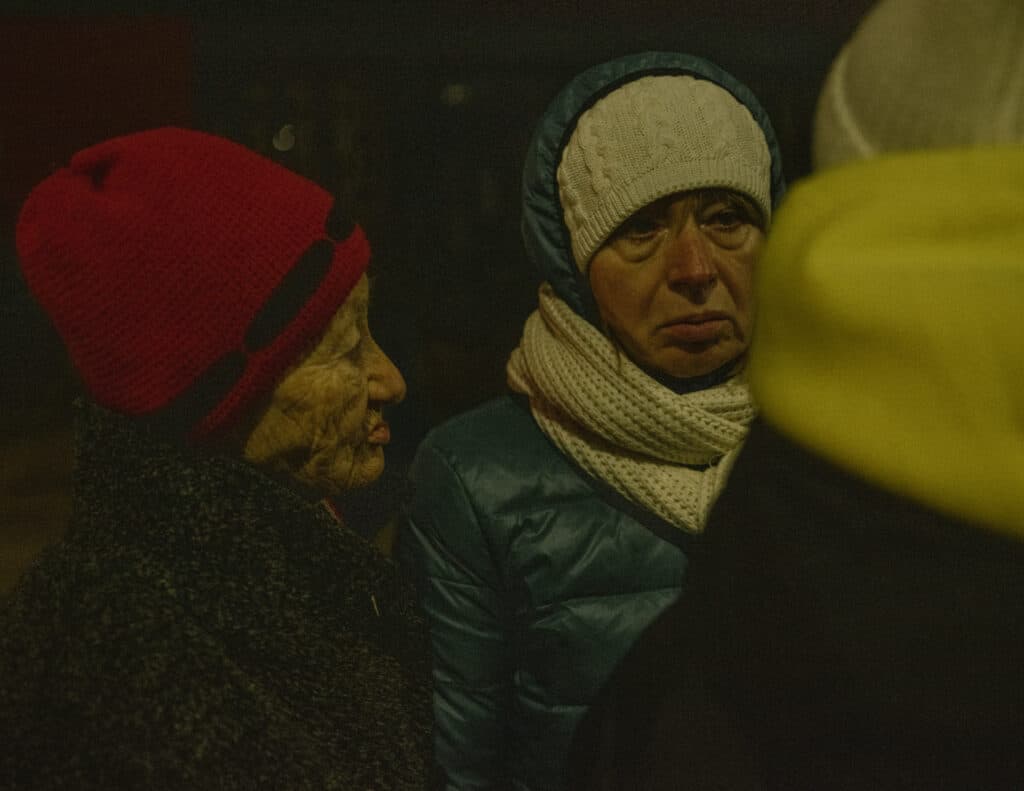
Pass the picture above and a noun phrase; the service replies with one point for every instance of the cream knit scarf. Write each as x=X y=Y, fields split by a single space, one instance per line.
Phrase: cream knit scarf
x=668 y=452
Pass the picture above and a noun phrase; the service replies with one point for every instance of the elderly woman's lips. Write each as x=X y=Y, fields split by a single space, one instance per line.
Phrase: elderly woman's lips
x=699 y=330
x=380 y=435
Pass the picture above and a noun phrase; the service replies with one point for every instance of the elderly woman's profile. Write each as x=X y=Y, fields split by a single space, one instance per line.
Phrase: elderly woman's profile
x=208 y=622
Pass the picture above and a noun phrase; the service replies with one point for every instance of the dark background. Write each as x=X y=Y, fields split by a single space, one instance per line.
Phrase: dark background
x=417 y=113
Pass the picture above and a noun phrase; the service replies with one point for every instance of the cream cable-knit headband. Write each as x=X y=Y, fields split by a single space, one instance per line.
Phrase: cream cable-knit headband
x=653 y=137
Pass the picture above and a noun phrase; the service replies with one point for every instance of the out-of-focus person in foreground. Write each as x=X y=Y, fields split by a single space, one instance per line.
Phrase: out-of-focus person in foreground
x=855 y=619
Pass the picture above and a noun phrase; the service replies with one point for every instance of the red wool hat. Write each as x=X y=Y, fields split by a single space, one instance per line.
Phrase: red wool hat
x=185 y=273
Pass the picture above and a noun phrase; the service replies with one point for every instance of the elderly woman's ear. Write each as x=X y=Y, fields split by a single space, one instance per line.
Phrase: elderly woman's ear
x=323 y=426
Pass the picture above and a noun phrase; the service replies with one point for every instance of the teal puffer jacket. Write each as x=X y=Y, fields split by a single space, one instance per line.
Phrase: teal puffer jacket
x=536 y=577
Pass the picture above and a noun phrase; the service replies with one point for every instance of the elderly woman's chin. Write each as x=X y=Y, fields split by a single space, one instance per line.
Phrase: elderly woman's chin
x=318 y=458
x=348 y=469
x=327 y=471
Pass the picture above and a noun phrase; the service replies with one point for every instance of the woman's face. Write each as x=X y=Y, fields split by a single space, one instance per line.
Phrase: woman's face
x=324 y=425
x=674 y=283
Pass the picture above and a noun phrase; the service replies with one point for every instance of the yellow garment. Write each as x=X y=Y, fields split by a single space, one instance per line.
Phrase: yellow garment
x=890 y=333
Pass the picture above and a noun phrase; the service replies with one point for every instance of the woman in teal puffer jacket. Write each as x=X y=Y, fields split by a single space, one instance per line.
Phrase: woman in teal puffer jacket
x=551 y=526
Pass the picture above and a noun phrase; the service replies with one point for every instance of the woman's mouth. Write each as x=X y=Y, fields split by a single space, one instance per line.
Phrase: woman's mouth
x=380 y=434
x=701 y=328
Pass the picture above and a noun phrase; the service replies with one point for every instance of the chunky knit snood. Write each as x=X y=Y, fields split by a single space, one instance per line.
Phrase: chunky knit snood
x=670 y=453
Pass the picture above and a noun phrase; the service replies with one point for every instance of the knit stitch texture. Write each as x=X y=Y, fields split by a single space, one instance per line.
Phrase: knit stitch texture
x=653 y=137
x=153 y=254
x=670 y=453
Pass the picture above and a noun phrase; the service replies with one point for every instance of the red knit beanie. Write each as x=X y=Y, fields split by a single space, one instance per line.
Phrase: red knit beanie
x=185 y=273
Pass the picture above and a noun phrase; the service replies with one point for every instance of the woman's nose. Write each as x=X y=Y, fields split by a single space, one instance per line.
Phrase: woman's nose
x=386 y=383
x=690 y=261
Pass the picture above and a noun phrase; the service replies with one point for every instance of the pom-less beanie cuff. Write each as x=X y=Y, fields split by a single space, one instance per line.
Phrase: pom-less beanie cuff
x=619 y=204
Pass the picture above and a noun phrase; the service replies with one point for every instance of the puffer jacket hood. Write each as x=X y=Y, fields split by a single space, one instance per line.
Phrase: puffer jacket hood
x=544 y=232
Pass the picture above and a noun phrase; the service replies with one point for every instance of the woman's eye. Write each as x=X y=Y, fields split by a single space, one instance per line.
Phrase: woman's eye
x=726 y=219
x=640 y=228
x=728 y=226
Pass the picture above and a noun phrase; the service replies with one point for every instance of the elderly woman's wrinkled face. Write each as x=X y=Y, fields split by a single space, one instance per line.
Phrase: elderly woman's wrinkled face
x=674 y=283
x=324 y=426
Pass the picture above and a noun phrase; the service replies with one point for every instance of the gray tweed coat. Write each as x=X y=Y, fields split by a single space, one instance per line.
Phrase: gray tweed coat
x=203 y=627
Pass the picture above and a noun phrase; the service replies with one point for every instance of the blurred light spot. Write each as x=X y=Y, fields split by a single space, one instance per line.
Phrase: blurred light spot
x=284 y=140
x=455 y=93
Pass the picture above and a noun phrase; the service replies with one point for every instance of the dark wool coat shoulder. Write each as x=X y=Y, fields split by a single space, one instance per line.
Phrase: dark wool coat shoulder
x=203 y=627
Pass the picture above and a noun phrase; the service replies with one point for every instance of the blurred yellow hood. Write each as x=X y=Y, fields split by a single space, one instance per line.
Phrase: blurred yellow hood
x=890 y=334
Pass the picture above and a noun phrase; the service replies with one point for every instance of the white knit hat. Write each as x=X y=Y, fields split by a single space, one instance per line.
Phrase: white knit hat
x=925 y=74
x=653 y=137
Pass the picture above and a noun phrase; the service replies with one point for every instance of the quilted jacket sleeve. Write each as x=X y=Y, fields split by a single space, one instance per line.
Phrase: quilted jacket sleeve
x=460 y=585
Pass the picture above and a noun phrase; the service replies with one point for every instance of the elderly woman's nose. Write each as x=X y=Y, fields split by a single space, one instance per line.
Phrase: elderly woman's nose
x=386 y=383
x=689 y=260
